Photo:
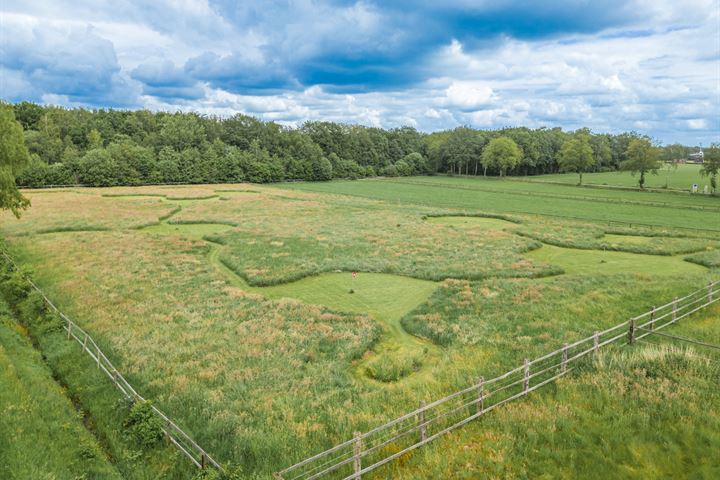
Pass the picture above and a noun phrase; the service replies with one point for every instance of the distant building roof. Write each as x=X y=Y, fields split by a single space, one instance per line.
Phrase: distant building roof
x=697 y=156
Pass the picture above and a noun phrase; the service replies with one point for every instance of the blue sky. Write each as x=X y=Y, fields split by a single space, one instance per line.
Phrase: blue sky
x=647 y=65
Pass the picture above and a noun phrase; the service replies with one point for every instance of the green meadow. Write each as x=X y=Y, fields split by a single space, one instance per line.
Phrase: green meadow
x=42 y=435
x=234 y=308
x=679 y=177
x=654 y=209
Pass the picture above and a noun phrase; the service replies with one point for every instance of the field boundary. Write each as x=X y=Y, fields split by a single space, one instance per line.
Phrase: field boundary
x=368 y=451
x=174 y=434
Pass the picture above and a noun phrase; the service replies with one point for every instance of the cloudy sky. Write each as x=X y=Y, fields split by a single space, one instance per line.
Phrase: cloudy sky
x=647 y=65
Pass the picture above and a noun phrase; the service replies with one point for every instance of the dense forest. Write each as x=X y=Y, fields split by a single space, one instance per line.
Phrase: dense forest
x=118 y=147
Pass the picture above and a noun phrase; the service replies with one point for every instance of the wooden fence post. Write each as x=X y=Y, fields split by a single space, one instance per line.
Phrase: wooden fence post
x=710 y=291
x=526 y=381
x=481 y=396
x=357 y=451
x=563 y=363
x=421 y=421
x=69 y=329
x=84 y=345
x=596 y=342
x=675 y=309
x=652 y=319
x=631 y=331
x=202 y=461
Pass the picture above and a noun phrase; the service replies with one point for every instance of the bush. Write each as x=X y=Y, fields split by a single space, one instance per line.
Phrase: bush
x=14 y=286
x=144 y=425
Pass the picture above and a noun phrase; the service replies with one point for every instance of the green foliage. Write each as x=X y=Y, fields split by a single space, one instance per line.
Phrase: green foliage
x=41 y=433
x=576 y=155
x=94 y=140
x=152 y=148
x=501 y=153
x=144 y=425
x=711 y=164
x=231 y=473
x=14 y=158
x=42 y=410
x=642 y=158
x=182 y=131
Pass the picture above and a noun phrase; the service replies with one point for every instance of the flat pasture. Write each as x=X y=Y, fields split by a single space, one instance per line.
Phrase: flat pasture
x=234 y=306
x=680 y=177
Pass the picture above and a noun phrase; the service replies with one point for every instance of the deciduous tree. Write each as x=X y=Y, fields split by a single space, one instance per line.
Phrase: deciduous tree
x=711 y=164
x=576 y=155
x=642 y=158
x=14 y=158
x=501 y=153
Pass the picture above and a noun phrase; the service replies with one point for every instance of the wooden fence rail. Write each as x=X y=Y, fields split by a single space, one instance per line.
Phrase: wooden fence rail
x=368 y=451
x=174 y=434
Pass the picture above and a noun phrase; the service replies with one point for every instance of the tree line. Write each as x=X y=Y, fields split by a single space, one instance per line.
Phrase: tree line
x=106 y=147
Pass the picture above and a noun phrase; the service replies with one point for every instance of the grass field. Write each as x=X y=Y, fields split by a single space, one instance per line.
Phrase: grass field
x=41 y=434
x=230 y=305
x=681 y=177
x=657 y=209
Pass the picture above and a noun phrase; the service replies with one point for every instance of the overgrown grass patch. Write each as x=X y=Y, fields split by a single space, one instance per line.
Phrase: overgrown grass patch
x=710 y=259
x=596 y=237
x=105 y=410
x=640 y=413
x=41 y=434
x=392 y=366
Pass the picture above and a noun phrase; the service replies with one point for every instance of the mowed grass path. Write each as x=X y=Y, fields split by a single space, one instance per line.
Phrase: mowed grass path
x=607 y=262
x=661 y=209
x=387 y=298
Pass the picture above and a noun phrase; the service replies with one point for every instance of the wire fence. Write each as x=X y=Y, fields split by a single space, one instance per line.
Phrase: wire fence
x=174 y=434
x=368 y=451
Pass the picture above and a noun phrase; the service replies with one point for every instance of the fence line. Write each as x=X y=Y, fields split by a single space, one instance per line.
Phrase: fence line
x=174 y=434
x=368 y=451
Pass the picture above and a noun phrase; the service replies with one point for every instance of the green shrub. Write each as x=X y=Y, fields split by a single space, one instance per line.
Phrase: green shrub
x=14 y=286
x=144 y=425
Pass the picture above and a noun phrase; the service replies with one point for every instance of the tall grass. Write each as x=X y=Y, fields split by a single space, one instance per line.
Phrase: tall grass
x=648 y=412
x=41 y=434
x=104 y=410
x=267 y=375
